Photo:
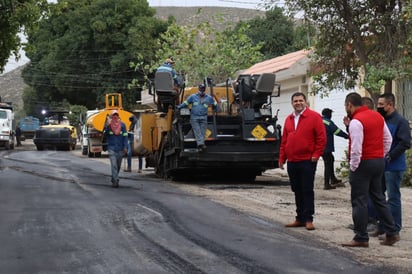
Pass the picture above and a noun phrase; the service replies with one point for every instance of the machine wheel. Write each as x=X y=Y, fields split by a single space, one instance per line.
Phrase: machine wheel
x=39 y=147
x=157 y=166
x=160 y=168
x=171 y=160
x=84 y=150
x=89 y=153
x=7 y=145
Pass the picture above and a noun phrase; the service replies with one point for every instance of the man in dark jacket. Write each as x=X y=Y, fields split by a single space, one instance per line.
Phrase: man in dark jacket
x=116 y=135
x=328 y=159
x=395 y=159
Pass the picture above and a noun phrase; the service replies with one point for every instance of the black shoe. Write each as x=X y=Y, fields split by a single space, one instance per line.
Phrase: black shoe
x=376 y=233
x=328 y=187
x=336 y=181
x=371 y=227
x=341 y=184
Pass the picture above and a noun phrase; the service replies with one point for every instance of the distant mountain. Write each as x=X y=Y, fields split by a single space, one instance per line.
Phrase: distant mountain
x=218 y=17
x=12 y=87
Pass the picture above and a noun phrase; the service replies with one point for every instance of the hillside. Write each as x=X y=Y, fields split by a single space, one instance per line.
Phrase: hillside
x=218 y=17
x=11 y=88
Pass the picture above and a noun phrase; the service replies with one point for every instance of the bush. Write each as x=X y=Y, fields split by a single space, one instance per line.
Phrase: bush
x=407 y=178
x=343 y=169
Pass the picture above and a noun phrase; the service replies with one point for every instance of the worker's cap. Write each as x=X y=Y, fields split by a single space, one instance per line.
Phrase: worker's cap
x=201 y=87
x=170 y=61
x=327 y=111
x=114 y=112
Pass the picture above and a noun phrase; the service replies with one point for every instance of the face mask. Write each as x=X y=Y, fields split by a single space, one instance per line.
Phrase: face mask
x=381 y=111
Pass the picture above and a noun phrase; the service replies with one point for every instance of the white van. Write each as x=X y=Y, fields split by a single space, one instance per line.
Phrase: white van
x=85 y=133
x=7 y=128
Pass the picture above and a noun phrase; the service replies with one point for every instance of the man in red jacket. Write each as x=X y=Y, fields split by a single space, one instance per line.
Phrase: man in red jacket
x=303 y=142
x=369 y=140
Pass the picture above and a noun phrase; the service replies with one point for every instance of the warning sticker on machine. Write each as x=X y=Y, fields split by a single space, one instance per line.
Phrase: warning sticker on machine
x=259 y=132
x=208 y=133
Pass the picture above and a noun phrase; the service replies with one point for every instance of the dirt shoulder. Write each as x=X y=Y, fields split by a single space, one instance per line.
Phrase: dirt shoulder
x=271 y=198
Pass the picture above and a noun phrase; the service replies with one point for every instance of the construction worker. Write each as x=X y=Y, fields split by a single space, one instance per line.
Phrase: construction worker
x=198 y=116
x=116 y=134
x=332 y=129
x=168 y=67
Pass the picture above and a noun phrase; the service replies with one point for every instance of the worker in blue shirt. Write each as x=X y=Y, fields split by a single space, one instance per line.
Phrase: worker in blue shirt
x=168 y=67
x=200 y=102
x=116 y=134
x=331 y=130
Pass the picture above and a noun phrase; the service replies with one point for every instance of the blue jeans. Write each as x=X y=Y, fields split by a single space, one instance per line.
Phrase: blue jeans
x=129 y=155
x=140 y=162
x=115 y=163
x=302 y=176
x=393 y=180
x=199 y=126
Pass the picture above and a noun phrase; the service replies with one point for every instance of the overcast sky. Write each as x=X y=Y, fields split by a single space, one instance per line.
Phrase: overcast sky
x=246 y=4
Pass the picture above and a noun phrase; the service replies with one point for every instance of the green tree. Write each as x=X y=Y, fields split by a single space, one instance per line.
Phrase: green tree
x=16 y=17
x=354 y=36
x=202 y=52
x=303 y=35
x=76 y=114
x=274 y=32
x=84 y=48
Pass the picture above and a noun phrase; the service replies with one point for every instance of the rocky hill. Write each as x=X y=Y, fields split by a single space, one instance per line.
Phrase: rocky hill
x=218 y=17
x=12 y=87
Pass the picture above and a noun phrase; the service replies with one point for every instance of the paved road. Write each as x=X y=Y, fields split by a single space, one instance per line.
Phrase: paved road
x=59 y=214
